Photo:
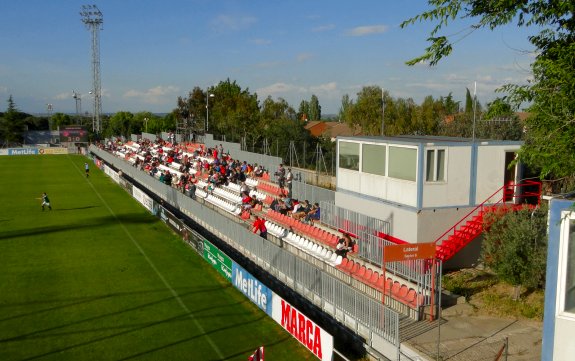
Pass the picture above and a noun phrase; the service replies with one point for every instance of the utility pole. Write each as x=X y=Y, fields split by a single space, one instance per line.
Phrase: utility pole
x=78 y=98
x=93 y=19
x=382 y=112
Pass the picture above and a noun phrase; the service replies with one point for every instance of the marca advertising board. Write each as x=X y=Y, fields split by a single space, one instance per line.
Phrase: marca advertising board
x=316 y=339
x=250 y=286
x=143 y=198
x=22 y=151
x=218 y=259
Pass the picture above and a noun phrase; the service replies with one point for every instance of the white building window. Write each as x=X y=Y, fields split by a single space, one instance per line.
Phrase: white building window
x=373 y=159
x=349 y=155
x=402 y=163
x=566 y=294
x=435 y=170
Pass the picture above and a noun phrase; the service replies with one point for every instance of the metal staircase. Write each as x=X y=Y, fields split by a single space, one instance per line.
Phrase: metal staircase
x=509 y=197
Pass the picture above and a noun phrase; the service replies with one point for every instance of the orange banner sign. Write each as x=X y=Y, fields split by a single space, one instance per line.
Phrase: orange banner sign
x=408 y=252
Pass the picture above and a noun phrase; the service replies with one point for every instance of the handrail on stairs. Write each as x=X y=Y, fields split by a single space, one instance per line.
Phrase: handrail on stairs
x=510 y=195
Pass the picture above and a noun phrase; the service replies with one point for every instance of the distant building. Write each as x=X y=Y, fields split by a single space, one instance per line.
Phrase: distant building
x=331 y=130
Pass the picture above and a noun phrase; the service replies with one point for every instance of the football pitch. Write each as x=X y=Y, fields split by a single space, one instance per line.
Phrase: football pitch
x=100 y=278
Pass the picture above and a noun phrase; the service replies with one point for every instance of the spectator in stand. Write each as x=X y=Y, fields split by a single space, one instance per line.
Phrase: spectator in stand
x=313 y=214
x=289 y=180
x=301 y=211
x=260 y=226
x=281 y=175
x=258 y=170
x=344 y=245
x=275 y=204
x=168 y=178
x=244 y=189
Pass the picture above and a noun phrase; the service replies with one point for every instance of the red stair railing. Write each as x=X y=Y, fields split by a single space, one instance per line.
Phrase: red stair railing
x=511 y=193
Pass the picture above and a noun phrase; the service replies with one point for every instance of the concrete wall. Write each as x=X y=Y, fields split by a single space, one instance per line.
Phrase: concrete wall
x=491 y=170
x=403 y=220
x=455 y=190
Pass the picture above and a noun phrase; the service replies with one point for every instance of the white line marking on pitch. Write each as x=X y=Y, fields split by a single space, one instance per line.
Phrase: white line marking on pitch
x=174 y=293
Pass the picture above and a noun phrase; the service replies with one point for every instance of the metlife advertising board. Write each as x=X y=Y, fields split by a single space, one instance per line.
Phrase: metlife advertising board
x=22 y=151
x=257 y=292
x=316 y=339
x=218 y=259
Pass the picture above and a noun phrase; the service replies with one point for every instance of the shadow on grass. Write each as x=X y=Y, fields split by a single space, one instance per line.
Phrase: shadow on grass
x=73 y=209
x=130 y=328
x=239 y=324
x=43 y=333
x=83 y=224
x=76 y=301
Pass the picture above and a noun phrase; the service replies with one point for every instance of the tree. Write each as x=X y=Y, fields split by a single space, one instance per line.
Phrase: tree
x=469 y=106
x=233 y=109
x=515 y=247
x=303 y=111
x=549 y=142
x=12 y=123
x=119 y=124
x=366 y=112
x=193 y=108
x=314 y=108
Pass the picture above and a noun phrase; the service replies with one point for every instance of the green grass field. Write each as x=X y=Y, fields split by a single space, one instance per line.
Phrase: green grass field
x=99 y=278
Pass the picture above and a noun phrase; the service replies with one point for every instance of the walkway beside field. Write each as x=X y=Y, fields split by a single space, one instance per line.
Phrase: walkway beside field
x=465 y=337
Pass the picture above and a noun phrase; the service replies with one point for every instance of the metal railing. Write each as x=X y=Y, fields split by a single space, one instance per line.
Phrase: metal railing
x=333 y=295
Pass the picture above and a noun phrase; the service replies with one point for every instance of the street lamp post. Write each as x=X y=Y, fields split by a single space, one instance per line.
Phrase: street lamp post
x=146 y=124
x=210 y=95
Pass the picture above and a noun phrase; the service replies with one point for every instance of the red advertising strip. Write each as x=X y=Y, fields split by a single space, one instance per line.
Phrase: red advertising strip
x=317 y=340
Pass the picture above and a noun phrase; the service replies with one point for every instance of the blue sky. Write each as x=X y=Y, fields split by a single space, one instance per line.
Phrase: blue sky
x=151 y=52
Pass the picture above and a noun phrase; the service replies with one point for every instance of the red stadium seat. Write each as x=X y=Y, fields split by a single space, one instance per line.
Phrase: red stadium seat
x=374 y=278
x=344 y=262
x=367 y=275
x=402 y=292
x=395 y=288
x=380 y=282
x=360 y=272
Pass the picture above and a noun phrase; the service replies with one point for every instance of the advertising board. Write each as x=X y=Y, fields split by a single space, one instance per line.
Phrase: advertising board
x=250 y=286
x=53 y=150
x=218 y=259
x=143 y=198
x=171 y=220
x=316 y=339
x=22 y=151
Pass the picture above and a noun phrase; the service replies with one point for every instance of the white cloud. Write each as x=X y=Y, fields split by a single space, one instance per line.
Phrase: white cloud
x=321 y=28
x=328 y=87
x=157 y=95
x=367 y=30
x=285 y=89
x=304 y=56
x=233 y=23
x=280 y=88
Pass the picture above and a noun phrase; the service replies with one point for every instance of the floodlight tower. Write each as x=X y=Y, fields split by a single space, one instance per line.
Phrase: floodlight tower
x=93 y=19
x=78 y=98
